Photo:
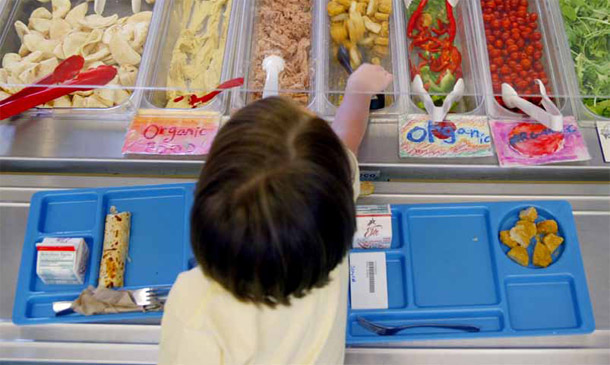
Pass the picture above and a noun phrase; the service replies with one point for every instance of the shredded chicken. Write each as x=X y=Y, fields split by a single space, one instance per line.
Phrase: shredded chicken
x=284 y=29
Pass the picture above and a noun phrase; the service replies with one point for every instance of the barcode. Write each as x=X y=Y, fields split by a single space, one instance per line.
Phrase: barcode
x=370 y=268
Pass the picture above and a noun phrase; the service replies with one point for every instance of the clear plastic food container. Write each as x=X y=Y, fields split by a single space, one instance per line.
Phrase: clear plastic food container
x=334 y=76
x=471 y=69
x=21 y=10
x=584 y=39
x=193 y=23
x=511 y=46
x=250 y=50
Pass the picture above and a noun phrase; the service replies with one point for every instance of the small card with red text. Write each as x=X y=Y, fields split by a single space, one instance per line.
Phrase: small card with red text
x=172 y=133
x=373 y=227
x=521 y=143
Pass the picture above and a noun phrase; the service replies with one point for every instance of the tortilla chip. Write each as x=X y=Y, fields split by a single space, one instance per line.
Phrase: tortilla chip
x=542 y=255
x=552 y=241
x=519 y=255
x=548 y=226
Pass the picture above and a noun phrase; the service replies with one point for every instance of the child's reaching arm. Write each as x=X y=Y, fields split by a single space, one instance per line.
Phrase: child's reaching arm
x=352 y=116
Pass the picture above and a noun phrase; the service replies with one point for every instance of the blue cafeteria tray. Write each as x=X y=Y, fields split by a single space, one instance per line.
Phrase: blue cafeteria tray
x=447 y=265
x=159 y=245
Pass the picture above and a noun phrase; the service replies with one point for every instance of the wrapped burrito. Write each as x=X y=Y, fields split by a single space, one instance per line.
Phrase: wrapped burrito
x=116 y=246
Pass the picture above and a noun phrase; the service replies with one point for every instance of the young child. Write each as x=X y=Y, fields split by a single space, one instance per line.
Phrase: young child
x=271 y=224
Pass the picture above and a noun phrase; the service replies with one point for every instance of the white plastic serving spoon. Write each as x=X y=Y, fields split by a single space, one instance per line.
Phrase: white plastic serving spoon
x=273 y=65
x=550 y=116
x=437 y=113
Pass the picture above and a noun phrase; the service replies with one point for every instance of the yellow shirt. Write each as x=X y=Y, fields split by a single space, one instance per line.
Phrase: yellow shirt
x=205 y=324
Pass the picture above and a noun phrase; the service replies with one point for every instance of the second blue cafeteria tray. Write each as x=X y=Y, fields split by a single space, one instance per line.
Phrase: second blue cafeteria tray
x=159 y=244
x=447 y=265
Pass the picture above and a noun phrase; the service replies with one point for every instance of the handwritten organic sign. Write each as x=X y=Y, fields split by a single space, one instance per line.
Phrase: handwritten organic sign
x=171 y=134
x=603 y=131
x=458 y=136
x=531 y=143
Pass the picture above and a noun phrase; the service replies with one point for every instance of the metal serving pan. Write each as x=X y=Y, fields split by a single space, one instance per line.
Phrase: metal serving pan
x=172 y=22
x=244 y=65
x=22 y=9
x=334 y=76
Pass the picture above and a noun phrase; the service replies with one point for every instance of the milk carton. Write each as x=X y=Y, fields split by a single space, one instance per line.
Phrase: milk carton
x=374 y=227
x=62 y=260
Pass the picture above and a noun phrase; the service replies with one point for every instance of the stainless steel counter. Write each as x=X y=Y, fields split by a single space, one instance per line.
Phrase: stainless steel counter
x=43 y=145
x=137 y=344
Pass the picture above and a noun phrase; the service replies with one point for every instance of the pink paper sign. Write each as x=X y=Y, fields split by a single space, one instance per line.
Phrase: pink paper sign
x=531 y=143
x=171 y=135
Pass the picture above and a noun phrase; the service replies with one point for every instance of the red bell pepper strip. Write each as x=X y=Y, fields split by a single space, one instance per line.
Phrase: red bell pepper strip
x=415 y=17
x=452 y=26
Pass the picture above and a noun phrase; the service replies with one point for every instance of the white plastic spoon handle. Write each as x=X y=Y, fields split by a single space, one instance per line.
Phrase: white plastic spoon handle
x=273 y=65
x=136 y=6
x=98 y=6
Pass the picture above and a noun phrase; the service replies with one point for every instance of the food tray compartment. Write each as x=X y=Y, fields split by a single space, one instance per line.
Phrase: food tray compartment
x=466 y=41
x=437 y=238
x=22 y=9
x=335 y=77
x=576 y=91
x=173 y=19
x=551 y=59
x=457 y=272
x=490 y=323
x=159 y=246
x=245 y=66
x=542 y=303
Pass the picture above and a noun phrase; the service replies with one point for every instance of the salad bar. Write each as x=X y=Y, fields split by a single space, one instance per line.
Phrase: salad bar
x=171 y=50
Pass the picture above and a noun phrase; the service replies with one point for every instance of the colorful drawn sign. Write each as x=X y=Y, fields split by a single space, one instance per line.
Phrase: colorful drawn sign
x=155 y=134
x=531 y=143
x=458 y=136
x=603 y=131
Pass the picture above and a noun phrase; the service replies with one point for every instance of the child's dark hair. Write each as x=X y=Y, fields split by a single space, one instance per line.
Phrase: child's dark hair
x=274 y=210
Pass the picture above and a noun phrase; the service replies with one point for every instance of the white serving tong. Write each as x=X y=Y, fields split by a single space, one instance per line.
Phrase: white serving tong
x=273 y=65
x=550 y=116
x=437 y=113
x=99 y=5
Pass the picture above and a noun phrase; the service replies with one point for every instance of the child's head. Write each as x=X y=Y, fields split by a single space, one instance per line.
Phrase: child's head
x=274 y=210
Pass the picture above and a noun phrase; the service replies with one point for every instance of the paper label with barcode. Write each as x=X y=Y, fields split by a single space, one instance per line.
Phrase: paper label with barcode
x=368 y=280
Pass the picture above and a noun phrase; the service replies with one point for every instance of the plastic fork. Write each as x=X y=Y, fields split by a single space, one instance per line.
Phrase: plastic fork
x=392 y=330
x=144 y=297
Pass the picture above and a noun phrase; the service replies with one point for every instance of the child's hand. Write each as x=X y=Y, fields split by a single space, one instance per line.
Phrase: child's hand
x=368 y=79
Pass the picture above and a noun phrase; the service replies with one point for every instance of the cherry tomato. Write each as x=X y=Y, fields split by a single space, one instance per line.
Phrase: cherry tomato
x=506 y=23
x=493 y=68
x=526 y=64
x=521 y=43
x=538 y=45
x=505 y=70
x=533 y=17
x=498 y=43
x=495 y=24
x=536 y=36
x=538 y=66
x=515 y=56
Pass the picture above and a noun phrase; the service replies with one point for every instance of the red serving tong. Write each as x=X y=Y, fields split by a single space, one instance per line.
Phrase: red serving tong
x=45 y=90
x=194 y=100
